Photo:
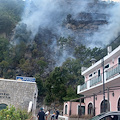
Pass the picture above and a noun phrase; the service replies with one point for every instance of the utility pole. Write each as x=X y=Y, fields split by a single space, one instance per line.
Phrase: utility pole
x=103 y=86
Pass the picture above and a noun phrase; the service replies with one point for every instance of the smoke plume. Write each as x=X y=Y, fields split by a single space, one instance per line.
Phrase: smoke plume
x=51 y=14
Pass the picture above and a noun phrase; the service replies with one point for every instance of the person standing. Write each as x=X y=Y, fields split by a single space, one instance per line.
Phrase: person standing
x=47 y=114
x=41 y=114
x=53 y=116
x=57 y=113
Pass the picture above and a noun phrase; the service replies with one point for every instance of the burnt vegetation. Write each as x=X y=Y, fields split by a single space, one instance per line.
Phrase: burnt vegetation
x=21 y=55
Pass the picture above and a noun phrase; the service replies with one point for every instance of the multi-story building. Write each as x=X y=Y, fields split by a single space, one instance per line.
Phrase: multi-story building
x=101 y=89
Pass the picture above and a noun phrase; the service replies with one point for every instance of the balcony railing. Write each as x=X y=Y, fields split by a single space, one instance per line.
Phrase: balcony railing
x=113 y=71
x=95 y=81
x=83 y=87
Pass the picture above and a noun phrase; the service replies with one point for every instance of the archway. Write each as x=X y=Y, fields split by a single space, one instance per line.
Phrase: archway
x=90 y=109
x=65 y=109
x=118 y=106
x=107 y=106
x=3 y=106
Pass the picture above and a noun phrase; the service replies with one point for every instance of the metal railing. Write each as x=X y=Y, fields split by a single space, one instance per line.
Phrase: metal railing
x=83 y=87
x=113 y=71
x=95 y=81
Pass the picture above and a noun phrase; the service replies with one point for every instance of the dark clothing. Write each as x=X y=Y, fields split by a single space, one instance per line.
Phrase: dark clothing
x=57 y=113
x=52 y=116
x=41 y=115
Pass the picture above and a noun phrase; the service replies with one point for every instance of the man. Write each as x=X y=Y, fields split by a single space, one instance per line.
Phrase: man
x=41 y=114
x=57 y=113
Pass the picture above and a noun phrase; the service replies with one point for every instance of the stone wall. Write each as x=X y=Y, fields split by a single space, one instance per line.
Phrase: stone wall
x=18 y=93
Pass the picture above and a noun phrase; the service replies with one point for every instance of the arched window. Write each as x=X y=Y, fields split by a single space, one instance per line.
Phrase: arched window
x=3 y=106
x=118 y=105
x=107 y=106
x=65 y=109
x=90 y=109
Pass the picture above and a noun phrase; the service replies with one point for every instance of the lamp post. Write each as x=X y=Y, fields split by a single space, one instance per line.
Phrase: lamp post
x=103 y=86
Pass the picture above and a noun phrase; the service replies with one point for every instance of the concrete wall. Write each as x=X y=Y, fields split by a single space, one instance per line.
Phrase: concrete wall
x=18 y=93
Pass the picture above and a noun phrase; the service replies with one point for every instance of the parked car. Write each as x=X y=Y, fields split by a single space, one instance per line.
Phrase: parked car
x=107 y=116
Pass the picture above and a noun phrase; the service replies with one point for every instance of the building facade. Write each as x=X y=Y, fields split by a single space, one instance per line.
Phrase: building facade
x=73 y=109
x=20 y=94
x=101 y=89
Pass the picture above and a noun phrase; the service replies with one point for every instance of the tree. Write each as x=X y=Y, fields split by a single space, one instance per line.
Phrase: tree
x=3 y=66
x=56 y=84
x=40 y=84
x=71 y=94
x=4 y=48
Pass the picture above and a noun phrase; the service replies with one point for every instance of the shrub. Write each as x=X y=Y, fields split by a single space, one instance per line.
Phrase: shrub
x=10 y=113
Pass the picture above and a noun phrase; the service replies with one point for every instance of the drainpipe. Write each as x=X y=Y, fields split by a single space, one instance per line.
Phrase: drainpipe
x=80 y=109
x=70 y=109
x=108 y=99
x=94 y=104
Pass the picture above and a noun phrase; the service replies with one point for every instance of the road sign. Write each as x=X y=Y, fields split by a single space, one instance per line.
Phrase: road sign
x=29 y=79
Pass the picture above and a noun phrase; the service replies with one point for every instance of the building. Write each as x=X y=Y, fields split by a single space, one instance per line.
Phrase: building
x=20 y=94
x=101 y=89
x=73 y=108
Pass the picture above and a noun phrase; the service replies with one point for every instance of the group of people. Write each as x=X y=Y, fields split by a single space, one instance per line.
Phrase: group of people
x=45 y=116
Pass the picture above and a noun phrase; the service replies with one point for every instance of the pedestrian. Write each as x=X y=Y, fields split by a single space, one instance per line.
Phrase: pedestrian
x=53 y=116
x=41 y=114
x=47 y=114
x=57 y=113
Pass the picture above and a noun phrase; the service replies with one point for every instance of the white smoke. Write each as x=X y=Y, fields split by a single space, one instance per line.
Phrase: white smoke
x=49 y=14
x=109 y=32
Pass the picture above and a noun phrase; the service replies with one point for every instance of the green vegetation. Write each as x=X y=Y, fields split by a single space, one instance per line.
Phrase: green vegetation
x=35 y=58
x=10 y=12
x=10 y=113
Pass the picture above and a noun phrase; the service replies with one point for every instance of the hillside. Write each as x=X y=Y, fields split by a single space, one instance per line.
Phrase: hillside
x=52 y=45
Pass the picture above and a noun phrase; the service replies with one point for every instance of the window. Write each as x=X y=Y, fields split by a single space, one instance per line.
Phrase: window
x=119 y=60
x=82 y=110
x=111 y=117
x=118 y=105
x=107 y=66
x=94 y=72
x=90 y=109
x=65 y=109
x=90 y=75
x=98 y=73
x=107 y=106
x=3 y=106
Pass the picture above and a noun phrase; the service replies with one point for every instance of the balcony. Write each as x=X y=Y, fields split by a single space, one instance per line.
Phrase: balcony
x=83 y=87
x=113 y=71
x=97 y=80
x=92 y=82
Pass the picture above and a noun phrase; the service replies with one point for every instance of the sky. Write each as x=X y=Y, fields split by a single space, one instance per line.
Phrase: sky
x=103 y=0
x=115 y=0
